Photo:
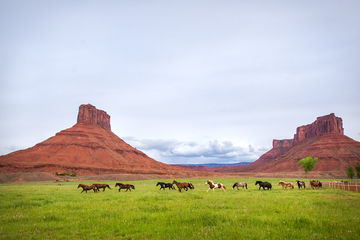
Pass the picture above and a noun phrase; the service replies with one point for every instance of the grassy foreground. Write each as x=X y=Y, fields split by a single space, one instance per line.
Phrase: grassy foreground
x=53 y=211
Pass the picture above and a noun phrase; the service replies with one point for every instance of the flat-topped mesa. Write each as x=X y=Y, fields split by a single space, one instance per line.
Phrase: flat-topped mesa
x=323 y=125
x=88 y=114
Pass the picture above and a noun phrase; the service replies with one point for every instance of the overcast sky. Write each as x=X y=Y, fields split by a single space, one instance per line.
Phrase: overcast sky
x=184 y=81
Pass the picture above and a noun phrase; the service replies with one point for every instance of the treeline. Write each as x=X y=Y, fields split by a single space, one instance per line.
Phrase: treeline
x=350 y=171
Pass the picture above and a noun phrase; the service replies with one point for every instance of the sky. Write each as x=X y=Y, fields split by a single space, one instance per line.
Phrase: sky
x=183 y=81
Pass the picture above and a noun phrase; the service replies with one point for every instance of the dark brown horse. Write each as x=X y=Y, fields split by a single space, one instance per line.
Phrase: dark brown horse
x=183 y=185
x=103 y=186
x=315 y=184
x=164 y=185
x=87 y=188
x=125 y=186
x=263 y=185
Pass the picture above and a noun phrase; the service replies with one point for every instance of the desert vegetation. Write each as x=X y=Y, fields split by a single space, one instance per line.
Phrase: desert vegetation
x=55 y=211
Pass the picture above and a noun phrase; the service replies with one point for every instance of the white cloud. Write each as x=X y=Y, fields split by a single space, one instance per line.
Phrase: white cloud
x=210 y=151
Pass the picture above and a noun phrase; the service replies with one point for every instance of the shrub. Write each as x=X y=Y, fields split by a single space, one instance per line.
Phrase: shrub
x=350 y=172
x=357 y=168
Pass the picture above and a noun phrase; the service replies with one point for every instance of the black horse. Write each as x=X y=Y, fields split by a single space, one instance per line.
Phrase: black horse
x=263 y=185
x=300 y=184
x=165 y=185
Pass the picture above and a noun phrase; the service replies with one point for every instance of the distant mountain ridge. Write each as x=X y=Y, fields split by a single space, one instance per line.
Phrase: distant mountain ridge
x=212 y=165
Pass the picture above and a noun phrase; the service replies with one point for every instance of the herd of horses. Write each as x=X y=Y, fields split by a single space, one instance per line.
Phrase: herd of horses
x=212 y=186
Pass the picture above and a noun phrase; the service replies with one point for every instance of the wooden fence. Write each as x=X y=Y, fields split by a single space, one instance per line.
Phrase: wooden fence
x=349 y=186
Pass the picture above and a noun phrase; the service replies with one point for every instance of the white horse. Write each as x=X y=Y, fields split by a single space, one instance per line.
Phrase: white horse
x=213 y=185
x=240 y=184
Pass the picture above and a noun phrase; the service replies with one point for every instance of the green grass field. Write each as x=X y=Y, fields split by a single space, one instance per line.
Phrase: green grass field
x=52 y=211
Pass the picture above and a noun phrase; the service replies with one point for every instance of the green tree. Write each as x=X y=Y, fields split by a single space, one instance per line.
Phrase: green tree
x=357 y=168
x=308 y=163
x=350 y=172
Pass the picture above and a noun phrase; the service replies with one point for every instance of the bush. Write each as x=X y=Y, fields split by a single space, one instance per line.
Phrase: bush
x=357 y=168
x=350 y=172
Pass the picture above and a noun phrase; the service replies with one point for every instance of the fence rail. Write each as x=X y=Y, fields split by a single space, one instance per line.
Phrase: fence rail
x=349 y=186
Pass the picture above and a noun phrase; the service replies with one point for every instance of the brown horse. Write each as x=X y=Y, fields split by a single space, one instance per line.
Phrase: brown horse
x=183 y=185
x=286 y=184
x=125 y=186
x=315 y=184
x=103 y=186
x=87 y=188
x=213 y=185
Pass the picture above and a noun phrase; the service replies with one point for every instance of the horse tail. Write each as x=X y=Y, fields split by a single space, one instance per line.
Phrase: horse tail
x=234 y=185
x=224 y=187
x=246 y=185
x=108 y=186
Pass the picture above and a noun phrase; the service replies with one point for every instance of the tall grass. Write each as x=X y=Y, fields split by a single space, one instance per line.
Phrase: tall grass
x=52 y=211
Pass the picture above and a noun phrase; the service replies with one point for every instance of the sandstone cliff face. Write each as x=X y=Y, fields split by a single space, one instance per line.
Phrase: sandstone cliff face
x=322 y=125
x=88 y=114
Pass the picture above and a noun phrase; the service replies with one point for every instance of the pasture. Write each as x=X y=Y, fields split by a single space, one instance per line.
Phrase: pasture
x=53 y=211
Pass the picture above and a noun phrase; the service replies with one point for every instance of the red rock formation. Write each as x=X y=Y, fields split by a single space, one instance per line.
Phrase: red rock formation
x=88 y=148
x=324 y=139
x=322 y=125
x=88 y=114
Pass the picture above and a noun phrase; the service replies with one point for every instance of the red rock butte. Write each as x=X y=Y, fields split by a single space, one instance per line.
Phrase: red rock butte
x=324 y=138
x=87 y=148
